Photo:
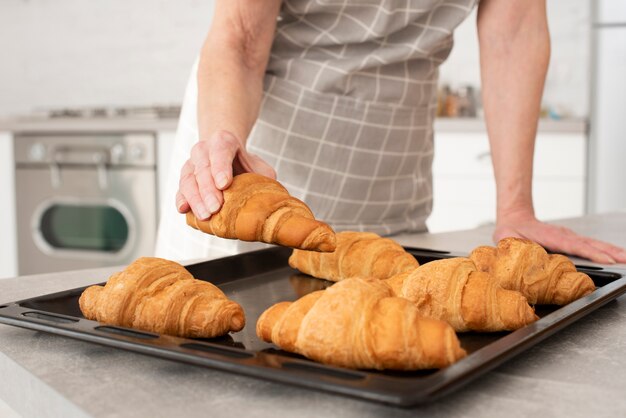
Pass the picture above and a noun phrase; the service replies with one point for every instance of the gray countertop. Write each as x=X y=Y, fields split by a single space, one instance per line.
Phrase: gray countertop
x=579 y=372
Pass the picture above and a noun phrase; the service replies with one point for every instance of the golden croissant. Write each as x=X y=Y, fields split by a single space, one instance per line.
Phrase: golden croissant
x=454 y=291
x=257 y=208
x=358 y=254
x=357 y=323
x=523 y=265
x=161 y=296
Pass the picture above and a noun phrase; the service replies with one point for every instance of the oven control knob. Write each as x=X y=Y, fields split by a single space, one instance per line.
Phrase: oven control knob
x=117 y=154
x=137 y=152
x=37 y=152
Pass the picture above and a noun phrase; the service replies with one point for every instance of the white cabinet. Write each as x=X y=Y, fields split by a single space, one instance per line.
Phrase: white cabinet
x=608 y=128
x=464 y=187
x=8 y=237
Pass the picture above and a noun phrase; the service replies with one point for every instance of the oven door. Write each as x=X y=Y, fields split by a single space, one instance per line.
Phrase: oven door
x=69 y=220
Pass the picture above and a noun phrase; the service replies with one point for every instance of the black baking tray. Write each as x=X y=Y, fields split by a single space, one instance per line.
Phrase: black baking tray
x=258 y=279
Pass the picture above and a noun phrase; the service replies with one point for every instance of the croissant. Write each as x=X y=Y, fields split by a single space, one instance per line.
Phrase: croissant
x=453 y=290
x=257 y=208
x=161 y=296
x=357 y=323
x=523 y=265
x=358 y=254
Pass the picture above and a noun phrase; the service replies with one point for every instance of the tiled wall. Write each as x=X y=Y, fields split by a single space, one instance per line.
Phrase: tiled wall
x=65 y=53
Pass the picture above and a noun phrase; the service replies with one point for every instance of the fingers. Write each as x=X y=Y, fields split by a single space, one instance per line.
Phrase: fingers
x=561 y=239
x=564 y=240
x=210 y=170
x=188 y=189
x=223 y=147
x=615 y=252
x=210 y=195
x=577 y=246
x=181 y=203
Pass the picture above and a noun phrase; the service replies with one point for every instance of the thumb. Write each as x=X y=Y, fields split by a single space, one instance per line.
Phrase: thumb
x=255 y=164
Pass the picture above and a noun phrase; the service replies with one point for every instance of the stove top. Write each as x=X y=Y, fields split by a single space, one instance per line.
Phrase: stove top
x=138 y=112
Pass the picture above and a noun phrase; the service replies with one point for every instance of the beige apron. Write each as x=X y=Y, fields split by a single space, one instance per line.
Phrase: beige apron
x=346 y=118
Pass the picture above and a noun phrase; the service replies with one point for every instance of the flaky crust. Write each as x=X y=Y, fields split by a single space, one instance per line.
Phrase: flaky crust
x=522 y=265
x=358 y=254
x=357 y=323
x=452 y=290
x=161 y=296
x=257 y=208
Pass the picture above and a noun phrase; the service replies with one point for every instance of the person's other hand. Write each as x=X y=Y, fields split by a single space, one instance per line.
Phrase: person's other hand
x=210 y=169
x=558 y=239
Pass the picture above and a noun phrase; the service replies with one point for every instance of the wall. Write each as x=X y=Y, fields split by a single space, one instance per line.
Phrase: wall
x=567 y=86
x=62 y=53
x=67 y=53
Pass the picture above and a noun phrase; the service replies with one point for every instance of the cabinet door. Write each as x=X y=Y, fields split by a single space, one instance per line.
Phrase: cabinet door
x=8 y=238
x=610 y=11
x=462 y=203
x=464 y=186
x=608 y=126
x=557 y=199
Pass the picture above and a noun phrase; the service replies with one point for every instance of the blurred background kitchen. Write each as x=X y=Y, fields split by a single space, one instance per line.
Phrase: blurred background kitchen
x=90 y=93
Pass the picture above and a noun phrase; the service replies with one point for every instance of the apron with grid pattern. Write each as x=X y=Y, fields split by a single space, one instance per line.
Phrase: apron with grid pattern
x=346 y=119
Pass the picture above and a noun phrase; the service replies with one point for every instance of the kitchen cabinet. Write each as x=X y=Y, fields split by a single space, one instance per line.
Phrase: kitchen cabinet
x=464 y=187
x=608 y=100
x=8 y=250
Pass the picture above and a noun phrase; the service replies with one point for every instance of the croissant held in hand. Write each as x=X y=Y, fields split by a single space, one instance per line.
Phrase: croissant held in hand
x=161 y=296
x=358 y=254
x=523 y=265
x=454 y=291
x=357 y=323
x=257 y=208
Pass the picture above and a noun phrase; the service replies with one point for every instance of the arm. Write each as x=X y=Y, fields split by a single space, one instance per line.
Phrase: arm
x=230 y=86
x=514 y=54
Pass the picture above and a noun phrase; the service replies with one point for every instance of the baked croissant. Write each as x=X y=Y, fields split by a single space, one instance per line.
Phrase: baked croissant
x=523 y=265
x=358 y=254
x=453 y=290
x=161 y=296
x=257 y=208
x=357 y=323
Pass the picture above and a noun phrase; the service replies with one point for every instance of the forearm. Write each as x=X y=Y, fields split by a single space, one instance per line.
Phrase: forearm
x=232 y=65
x=514 y=56
x=229 y=93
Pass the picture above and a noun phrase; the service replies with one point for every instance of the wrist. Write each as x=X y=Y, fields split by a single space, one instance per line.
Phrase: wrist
x=515 y=214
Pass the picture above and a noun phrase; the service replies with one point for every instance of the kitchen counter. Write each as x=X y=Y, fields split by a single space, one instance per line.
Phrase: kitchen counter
x=579 y=372
x=35 y=125
x=462 y=125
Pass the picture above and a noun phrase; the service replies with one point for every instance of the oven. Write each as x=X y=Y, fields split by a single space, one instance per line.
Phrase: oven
x=84 y=200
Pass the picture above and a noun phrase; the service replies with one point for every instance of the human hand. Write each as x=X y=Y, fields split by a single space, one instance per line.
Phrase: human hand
x=210 y=169
x=557 y=239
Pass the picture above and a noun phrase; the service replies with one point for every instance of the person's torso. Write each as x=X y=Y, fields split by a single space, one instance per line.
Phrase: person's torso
x=349 y=104
x=380 y=51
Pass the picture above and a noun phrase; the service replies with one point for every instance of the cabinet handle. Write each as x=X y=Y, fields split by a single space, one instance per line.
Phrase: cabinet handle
x=485 y=155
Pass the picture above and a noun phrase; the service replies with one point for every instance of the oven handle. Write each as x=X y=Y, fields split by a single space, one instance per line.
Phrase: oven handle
x=67 y=156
